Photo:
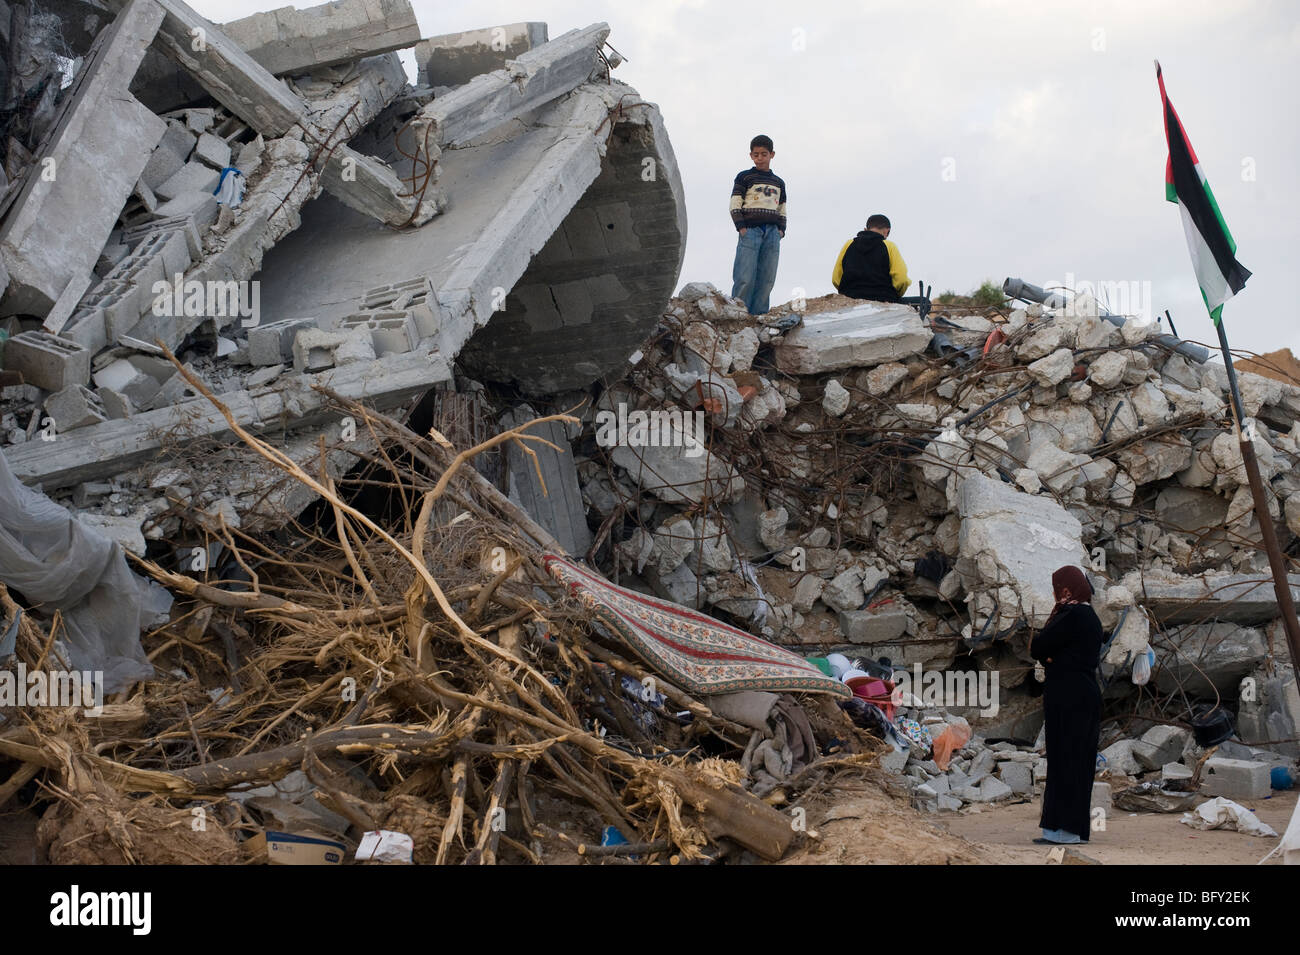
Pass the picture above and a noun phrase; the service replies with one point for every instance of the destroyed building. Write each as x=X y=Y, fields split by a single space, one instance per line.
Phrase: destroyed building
x=383 y=388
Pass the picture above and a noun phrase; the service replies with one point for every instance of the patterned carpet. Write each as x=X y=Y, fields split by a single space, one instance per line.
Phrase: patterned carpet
x=698 y=653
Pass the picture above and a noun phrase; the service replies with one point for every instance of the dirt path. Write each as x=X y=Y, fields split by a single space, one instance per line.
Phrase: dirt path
x=1003 y=834
x=864 y=826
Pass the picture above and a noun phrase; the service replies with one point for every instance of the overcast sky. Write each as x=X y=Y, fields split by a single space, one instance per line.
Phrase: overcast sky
x=1001 y=137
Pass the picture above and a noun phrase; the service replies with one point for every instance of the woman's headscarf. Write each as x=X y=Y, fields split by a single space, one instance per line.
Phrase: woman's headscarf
x=1071 y=586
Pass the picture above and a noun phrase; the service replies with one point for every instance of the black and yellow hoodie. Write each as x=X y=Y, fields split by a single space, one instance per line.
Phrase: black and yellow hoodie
x=870 y=266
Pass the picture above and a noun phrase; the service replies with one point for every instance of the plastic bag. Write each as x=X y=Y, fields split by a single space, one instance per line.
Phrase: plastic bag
x=954 y=736
x=53 y=559
x=1142 y=667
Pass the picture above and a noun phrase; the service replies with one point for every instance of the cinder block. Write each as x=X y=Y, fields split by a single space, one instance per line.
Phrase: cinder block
x=272 y=344
x=391 y=332
x=74 y=407
x=316 y=350
x=47 y=361
x=122 y=308
x=1235 y=778
x=86 y=328
x=184 y=224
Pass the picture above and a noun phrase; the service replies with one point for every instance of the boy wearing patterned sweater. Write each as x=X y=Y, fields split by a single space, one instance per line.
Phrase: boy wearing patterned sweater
x=758 y=212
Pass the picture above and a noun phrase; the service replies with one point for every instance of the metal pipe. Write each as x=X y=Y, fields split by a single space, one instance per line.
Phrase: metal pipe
x=1018 y=288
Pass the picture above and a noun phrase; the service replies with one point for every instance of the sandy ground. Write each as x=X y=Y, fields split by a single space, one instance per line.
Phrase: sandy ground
x=866 y=826
x=1004 y=833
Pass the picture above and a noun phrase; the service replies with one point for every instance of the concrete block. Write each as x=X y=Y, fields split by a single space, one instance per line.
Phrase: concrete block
x=46 y=361
x=86 y=328
x=272 y=344
x=201 y=207
x=392 y=333
x=171 y=153
x=212 y=151
x=455 y=58
x=1235 y=778
x=316 y=350
x=1100 y=796
x=1160 y=745
x=182 y=224
x=194 y=176
x=199 y=120
x=870 y=333
x=74 y=407
x=864 y=626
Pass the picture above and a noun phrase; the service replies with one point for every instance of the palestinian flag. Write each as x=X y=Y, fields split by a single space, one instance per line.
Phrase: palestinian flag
x=1219 y=274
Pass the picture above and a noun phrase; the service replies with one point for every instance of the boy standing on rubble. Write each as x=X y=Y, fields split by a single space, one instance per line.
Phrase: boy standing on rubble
x=758 y=212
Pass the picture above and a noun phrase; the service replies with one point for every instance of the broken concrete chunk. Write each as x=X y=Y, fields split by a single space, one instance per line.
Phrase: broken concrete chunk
x=212 y=151
x=870 y=333
x=74 y=407
x=1015 y=541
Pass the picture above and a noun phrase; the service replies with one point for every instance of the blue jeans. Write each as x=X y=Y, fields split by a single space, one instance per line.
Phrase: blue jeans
x=754 y=272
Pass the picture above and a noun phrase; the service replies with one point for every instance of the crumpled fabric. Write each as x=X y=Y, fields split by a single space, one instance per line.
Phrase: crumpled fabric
x=1222 y=813
x=230 y=188
x=784 y=747
x=55 y=561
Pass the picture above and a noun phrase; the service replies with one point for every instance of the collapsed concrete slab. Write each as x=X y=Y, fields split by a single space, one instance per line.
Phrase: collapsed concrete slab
x=507 y=198
x=288 y=40
x=600 y=279
x=1010 y=543
x=455 y=58
x=1173 y=599
x=871 y=333
x=532 y=80
x=108 y=448
x=73 y=193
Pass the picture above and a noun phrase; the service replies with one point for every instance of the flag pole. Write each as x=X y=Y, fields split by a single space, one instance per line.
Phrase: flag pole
x=1276 y=561
x=1208 y=233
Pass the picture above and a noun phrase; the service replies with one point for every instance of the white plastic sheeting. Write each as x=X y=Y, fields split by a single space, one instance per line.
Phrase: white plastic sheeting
x=57 y=563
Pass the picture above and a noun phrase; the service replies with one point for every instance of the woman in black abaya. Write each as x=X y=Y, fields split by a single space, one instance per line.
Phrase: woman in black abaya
x=1069 y=647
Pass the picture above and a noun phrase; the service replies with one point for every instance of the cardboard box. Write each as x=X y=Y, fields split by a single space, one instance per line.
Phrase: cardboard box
x=286 y=848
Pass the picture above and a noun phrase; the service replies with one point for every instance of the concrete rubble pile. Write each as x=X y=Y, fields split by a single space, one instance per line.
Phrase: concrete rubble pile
x=900 y=491
x=274 y=203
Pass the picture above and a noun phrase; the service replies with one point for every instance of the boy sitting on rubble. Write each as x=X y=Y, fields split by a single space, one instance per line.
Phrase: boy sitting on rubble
x=758 y=212
x=869 y=266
